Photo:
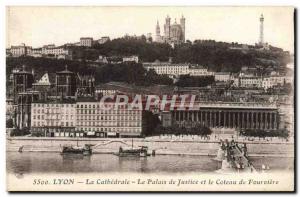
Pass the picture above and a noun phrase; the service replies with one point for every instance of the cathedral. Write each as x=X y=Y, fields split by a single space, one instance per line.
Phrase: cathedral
x=173 y=33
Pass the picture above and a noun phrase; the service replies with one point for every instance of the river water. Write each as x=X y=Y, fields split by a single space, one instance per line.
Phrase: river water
x=41 y=162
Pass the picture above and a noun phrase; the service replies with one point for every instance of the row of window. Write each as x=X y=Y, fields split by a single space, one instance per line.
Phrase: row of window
x=52 y=105
x=53 y=117
x=103 y=129
x=116 y=124
x=55 y=107
x=127 y=118
x=109 y=129
x=92 y=111
x=100 y=106
x=52 y=123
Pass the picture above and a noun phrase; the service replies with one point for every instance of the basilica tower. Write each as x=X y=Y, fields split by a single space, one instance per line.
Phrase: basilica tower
x=157 y=35
x=167 y=28
x=182 y=24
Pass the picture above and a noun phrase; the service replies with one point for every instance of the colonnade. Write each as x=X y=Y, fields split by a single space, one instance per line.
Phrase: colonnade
x=246 y=119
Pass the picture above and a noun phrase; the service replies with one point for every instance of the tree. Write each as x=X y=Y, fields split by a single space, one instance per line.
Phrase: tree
x=20 y=132
x=195 y=81
x=9 y=123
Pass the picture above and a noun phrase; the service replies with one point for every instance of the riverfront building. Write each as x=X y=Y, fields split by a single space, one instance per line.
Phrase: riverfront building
x=85 y=119
x=93 y=120
x=53 y=119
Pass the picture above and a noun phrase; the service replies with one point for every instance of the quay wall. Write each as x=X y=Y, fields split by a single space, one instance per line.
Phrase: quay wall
x=161 y=146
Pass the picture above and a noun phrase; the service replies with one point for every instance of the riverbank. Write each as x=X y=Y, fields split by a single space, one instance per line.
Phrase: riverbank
x=161 y=146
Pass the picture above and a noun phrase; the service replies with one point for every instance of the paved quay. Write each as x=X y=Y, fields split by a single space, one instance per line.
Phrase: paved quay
x=163 y=145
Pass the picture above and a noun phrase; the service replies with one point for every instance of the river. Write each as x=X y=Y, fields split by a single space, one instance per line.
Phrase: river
x=41 y=162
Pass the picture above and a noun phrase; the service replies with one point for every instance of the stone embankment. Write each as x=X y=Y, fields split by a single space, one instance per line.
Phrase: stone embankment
x=160 y=145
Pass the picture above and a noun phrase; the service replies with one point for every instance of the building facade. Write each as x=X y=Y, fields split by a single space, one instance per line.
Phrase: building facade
x=54 y=51
x=133 y=58
x=86 y=41
x=53 y=119
x=271 y=81
x=21 y=50
x=93 y=120
x=200 y=71
x=85 y=119
x=250 y=81
x=166 y=68
x=103 y=40
x=229 y=115
x=223 y=76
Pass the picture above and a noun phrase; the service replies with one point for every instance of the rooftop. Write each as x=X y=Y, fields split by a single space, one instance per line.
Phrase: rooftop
x=66 y=71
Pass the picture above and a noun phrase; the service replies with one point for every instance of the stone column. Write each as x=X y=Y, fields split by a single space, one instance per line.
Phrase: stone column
x=271 y=124
x=219 y=119
x=229 y=121
x=266 y=124
x=243 y=118
x=238 y=120
x=256 y=120
x=215 y=119
x=205 y=122
x=261 y=125
x=210 y=119
x=224 y=118
x=247 y=122
x=233 y=120
x=252 y=120
x=275 y=121
x=201 y=118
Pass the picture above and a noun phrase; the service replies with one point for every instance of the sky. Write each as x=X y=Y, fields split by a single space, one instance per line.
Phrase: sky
x=37 y=26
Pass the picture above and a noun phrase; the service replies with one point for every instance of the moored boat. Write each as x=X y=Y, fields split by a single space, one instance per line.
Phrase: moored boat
x=70 y=149
x=141 y=151
x=133 y=152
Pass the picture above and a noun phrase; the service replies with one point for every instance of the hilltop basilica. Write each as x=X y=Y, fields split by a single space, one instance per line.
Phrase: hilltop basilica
x=173 y=34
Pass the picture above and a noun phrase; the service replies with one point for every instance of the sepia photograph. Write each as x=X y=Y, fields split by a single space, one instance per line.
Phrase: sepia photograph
x=150 y=98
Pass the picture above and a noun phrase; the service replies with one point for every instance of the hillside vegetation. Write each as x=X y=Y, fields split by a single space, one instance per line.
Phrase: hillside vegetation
x=217 y=56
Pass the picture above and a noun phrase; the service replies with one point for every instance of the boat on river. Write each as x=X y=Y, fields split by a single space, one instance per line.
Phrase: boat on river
x=133 y=152
x=70 y=149
x=141 y=151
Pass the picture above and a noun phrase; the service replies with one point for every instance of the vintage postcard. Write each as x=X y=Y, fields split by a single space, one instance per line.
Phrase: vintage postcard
x=150 y=98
